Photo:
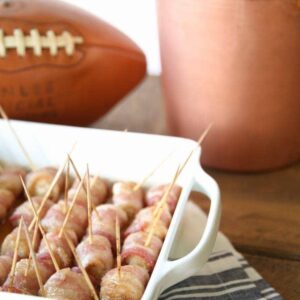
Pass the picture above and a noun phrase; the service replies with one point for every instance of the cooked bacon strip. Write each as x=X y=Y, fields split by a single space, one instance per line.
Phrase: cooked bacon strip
x=5 y=266
x=9 y=242
x=126 y=197
x=98 y=190
x=59 y=247
x=7 y=198
x=67 y=284
x=103 y=223
x=130 y=285
x=11 y=182
x=25 y=211
x=134 y=251
x=155 y=194
x=96 y=257
x=144 y=220
x=28 y=284
x=39 y=181
x=55 y=216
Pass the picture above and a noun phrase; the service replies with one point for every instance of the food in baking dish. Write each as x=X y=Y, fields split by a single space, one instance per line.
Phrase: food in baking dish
x=141 y=215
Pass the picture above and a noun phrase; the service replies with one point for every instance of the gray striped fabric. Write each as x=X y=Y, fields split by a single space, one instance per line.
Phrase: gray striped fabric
x=226 y=276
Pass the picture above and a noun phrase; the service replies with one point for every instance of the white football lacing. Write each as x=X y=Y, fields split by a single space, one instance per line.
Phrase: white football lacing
x=38 y=42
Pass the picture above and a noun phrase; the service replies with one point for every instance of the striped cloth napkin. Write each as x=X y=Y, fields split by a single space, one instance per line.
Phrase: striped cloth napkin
x=226 y=275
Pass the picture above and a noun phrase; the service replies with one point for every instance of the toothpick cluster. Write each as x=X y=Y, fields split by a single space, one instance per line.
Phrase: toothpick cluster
x=85 y=184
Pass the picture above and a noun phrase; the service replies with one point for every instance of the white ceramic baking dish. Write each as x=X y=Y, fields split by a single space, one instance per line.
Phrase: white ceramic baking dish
x=125 y=156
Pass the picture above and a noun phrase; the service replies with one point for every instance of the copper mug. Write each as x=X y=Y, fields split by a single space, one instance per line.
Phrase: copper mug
x=235 y=63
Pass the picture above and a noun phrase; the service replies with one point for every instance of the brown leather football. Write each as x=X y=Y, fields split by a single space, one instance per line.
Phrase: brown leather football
x=60 y=64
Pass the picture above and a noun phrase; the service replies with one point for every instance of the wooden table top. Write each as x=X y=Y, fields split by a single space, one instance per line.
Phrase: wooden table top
x=261 y=212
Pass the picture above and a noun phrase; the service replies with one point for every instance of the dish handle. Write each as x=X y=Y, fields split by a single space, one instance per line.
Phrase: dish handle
x=177 y=270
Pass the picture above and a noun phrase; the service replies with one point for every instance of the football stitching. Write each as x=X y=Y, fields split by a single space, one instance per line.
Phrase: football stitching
x=38 y=42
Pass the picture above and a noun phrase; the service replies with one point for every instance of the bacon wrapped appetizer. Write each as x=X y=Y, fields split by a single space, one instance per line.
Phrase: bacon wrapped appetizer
x=11 y=182
x=25 y=210
x=104 y=222
x=5 y=266
x=7 y=198
x=144 y=220
x=39 y=181
x=98 y=190
x=55 y=216
x=155 y=194
x=134 y=251
x=130 y=200
x=9 y=242
x=27 y=283
x=67 y=284
x=59 y=247
x=96 y=256
x=129 y=286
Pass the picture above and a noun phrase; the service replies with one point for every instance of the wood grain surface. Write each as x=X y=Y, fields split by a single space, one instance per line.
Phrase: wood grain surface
x=261 y=212
x=283 y=274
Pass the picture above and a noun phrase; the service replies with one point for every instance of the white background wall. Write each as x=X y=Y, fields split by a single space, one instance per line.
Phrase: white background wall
x=136 y=18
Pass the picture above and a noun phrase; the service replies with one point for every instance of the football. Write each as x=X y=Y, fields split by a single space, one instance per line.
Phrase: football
x=60 y=64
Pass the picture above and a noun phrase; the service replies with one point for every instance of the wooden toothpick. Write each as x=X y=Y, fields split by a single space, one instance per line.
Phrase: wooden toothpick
x=25 y=153
x=82 y=269
x=54 y=261
x=15 y=257
x=200 y=141
x=46 y=196
x=84 y=185
x=89 y=204
x=52 y=185
x=67 y=185
x=37 y=272
x=74 y=167
x=161 y=204
x=34 y=239
x=71 y=207
x=118 y=246
x=160 y=207
x=138 y=185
